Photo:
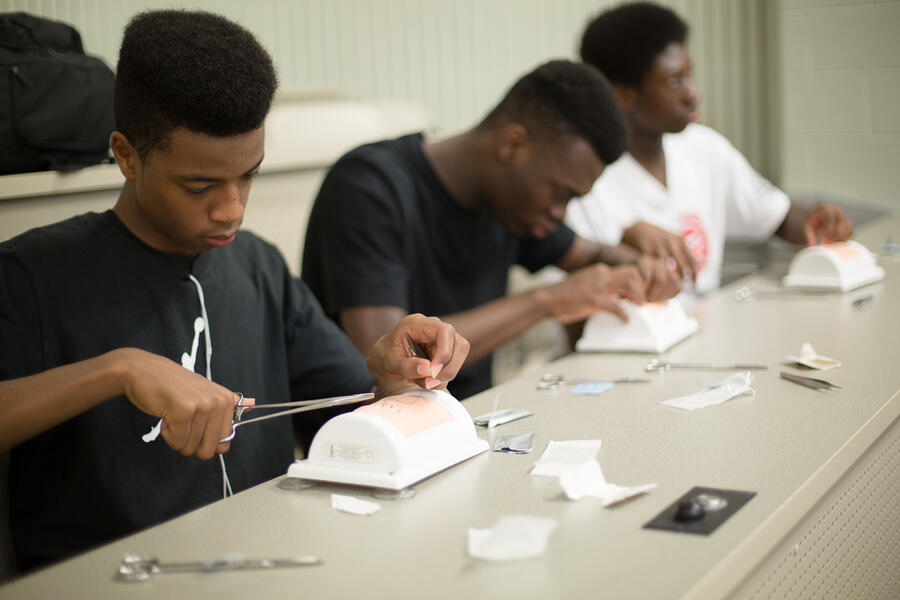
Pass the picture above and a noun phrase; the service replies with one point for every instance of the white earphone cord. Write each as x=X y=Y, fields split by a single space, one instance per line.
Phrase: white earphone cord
x=226 y=484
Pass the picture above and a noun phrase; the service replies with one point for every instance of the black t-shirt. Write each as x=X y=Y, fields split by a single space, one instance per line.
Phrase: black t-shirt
x=385 y=231
x=85 y=286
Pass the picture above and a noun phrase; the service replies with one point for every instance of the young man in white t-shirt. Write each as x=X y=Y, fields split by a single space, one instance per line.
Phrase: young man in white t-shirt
x=682 y=188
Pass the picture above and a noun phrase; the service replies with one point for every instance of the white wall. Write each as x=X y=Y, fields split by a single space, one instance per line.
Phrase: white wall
x=805 y=88
x=455 y=57
x=841 y=123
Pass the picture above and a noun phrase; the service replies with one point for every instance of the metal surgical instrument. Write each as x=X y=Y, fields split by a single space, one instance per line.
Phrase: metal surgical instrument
x=136 y=569
x=810 y=382
x=554 y=382
x=293 y=407
x=655 y=365
x=746 y=294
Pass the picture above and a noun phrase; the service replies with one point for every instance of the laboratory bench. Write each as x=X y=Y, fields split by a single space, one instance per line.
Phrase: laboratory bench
x=824 y=466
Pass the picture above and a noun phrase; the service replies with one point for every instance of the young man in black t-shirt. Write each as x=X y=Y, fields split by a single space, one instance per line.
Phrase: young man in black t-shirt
x=148 y=319
x=412 y=225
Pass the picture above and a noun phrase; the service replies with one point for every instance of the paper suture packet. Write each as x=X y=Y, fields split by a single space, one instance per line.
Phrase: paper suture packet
x=809 y=358
x=593 y=388
x=501 y=417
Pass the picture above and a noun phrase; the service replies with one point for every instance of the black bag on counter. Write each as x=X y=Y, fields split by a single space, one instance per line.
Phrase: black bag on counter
x=56 y=103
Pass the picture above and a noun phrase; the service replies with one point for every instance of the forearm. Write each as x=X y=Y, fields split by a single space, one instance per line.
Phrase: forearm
x=792 y=228
x=615 y=256
x=583 y=253
x=492 y=324
x=31 y=405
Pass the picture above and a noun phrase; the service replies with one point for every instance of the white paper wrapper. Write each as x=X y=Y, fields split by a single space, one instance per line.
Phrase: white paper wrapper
x=513 y=537
x=354 y=506
x=561 y=456
x=587 y=479
x=729 y=388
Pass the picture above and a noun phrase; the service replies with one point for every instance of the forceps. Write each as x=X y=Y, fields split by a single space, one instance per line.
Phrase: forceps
x=656 y=365
x=550 y=381
x=135 y=569
x=746 y=294
x=293 y=407
x=810 y=382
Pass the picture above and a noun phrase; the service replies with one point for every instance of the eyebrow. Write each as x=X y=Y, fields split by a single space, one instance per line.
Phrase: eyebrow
x=207 y=179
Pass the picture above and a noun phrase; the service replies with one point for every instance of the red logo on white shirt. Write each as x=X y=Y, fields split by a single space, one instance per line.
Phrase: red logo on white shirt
x=694 y=235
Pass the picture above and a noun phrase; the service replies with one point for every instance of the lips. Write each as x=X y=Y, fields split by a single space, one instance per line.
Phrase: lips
x=220 y=240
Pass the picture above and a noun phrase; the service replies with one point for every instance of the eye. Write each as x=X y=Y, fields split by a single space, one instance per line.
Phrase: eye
x=198 y=191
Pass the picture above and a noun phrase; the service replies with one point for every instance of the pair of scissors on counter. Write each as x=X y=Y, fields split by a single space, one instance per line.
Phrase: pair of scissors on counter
x=293 y=407
x=550 y=381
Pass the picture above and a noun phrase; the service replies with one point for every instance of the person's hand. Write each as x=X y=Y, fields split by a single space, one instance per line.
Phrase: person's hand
x=196 y=412
x=661 y=282
x=654 y=241
x=591 y=289
x=394 y=366
x=827 y=223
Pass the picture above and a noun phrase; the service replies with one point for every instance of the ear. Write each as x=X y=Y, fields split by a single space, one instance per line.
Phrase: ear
x=126 y=156
x=514 y=143
x=626 y=95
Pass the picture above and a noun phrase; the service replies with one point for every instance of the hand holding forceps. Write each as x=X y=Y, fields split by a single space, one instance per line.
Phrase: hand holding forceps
x=293 y=408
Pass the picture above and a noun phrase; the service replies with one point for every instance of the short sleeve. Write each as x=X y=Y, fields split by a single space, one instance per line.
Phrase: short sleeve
x=599 y=215
x=755 y=208
x=20 y=333
x=355 y=249
x=322 y=361
x=535 y=254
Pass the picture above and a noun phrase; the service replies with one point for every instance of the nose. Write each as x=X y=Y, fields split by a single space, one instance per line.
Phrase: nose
x=228 y=207
x=691 y=93
x=557 y=211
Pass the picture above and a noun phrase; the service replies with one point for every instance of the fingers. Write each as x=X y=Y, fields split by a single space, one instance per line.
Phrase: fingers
x=628 y=283
x=196 y=423
x=452 y=367
x=616 y=309
x=828 y=223
x=677 y=249
x=447 y=349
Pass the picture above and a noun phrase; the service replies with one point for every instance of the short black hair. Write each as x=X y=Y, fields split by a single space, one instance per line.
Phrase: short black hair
x=563 y=97
x=189 y=69
x=623 y=42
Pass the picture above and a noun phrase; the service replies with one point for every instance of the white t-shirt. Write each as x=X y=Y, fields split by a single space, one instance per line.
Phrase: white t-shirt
x=712 y=193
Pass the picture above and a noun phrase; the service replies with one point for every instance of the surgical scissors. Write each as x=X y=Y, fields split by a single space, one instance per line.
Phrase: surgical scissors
x=135 y=569
x=550 y=381
x=810 y=382
x=661 y=367
x=293 y=407
x=747 y=294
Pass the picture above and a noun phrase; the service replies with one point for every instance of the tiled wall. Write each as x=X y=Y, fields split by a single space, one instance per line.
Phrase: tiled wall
x=841 y=114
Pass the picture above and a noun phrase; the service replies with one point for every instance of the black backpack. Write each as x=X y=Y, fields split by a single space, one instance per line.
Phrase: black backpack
x=56 y=103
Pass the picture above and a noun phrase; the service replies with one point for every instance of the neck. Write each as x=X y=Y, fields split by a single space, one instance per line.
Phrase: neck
x=457 y=161
x=645 y=146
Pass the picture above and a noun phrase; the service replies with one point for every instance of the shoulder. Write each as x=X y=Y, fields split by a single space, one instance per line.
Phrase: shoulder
x=386 y=155
x=65 y=238
x=699 y=137
x=253 y=251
